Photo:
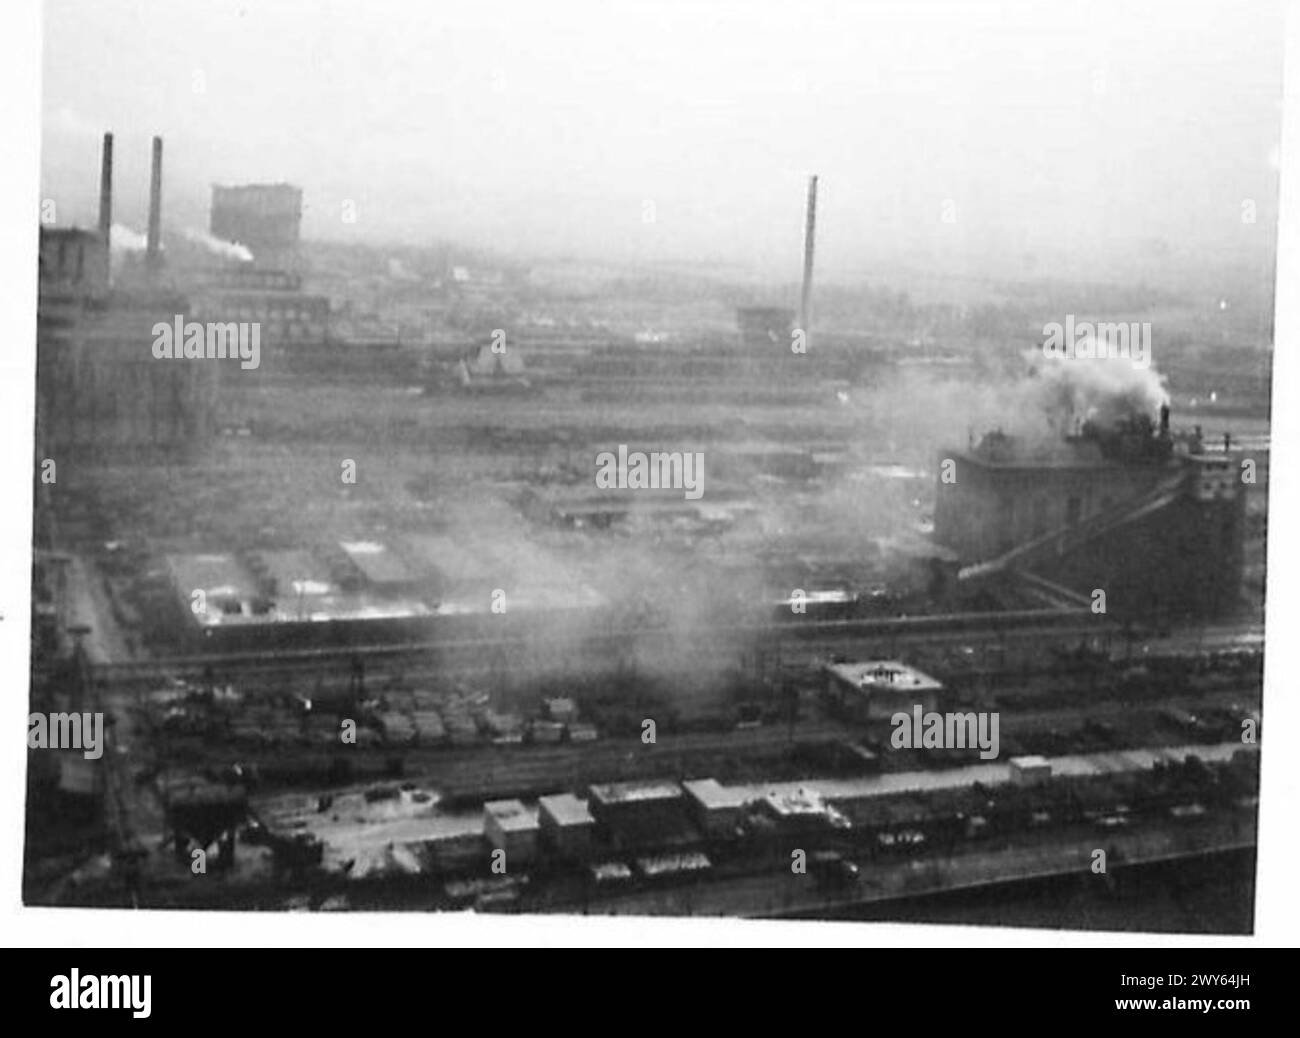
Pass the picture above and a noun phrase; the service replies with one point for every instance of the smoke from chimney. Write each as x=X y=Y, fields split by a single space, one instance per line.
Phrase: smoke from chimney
x=218 y=247
x=1099 y=390
x=124 y=239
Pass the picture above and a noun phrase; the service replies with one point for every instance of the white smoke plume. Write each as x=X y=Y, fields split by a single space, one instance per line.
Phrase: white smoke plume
x=225 y=249
x=1104 y=390
x=122 y=239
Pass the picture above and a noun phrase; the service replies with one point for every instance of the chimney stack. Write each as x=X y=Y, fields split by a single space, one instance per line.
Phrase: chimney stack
x=809 y=239
x=153 y=255
x=106 y=189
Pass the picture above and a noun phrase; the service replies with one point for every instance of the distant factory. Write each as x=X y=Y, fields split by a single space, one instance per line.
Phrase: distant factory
x=98 y=386
x=264 y=218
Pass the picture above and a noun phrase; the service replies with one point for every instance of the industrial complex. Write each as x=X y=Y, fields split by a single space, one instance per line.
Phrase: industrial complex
x=367 y=633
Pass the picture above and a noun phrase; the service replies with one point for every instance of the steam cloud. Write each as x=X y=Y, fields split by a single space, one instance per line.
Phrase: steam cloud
x=225 y=249
x=122 y=239
x=1103 y=390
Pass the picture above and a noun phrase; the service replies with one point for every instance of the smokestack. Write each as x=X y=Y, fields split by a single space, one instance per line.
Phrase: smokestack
x=1164 y=420
x=152 y=254
x=106 y=189
x=809 y=240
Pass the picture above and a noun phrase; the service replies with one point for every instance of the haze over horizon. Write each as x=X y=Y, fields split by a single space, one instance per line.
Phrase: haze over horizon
x=1087 y=140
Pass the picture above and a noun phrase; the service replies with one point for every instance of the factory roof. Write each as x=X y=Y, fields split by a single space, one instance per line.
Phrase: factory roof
x=795 y=802
x=69 y=233
x=210 y=572
x=511 y=815
x=1008 y=452
x=295 y=572
x=635 y=792
x=279 y=188
x=883 y=676
x=714 y=796
x=378 y=564
x=224 y=583
x=565 y=809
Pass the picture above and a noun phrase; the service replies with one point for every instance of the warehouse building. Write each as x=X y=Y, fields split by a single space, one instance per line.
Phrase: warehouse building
x=641 y=813
x=875 y=690
x=715 y=808
x=566 y=824
x=510 y=826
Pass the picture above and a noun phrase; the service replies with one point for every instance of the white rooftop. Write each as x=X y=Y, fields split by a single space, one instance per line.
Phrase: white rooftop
x=566 y=809
x=884 y=676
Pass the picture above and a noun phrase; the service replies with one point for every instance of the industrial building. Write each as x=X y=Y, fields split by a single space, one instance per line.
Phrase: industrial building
x=265 y=218
x=484 y=369
x=273 y=599
x=641 y=813
x=718 y=810
x=797 y=811
x=74 y=265
x=877 y=689
x=511 y=827
x=566 y=823
x=1032 y=770
x=100 y=390
x=290 y=319
x=1153 y=521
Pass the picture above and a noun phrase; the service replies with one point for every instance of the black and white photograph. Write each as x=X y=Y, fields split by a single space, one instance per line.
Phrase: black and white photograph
x=762 y=463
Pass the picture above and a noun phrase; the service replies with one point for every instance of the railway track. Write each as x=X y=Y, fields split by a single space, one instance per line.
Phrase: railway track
x=464 y=655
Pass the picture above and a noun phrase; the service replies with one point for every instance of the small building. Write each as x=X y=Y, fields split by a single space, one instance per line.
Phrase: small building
x=640 y=812
x=1030 y=771
x=511 y=827
x=566 y=824
x=716 y=809
x=484 y=368
x=546 y=732
x=560 y=708
x=877 y=689
x=581 y=731
x=801 y=810
x=215 y=588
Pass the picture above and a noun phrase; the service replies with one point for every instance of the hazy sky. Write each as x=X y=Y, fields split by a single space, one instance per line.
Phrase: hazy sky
x=1063 y=134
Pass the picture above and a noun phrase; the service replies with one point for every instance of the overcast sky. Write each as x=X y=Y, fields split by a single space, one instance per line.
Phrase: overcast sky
x=1062 y=136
